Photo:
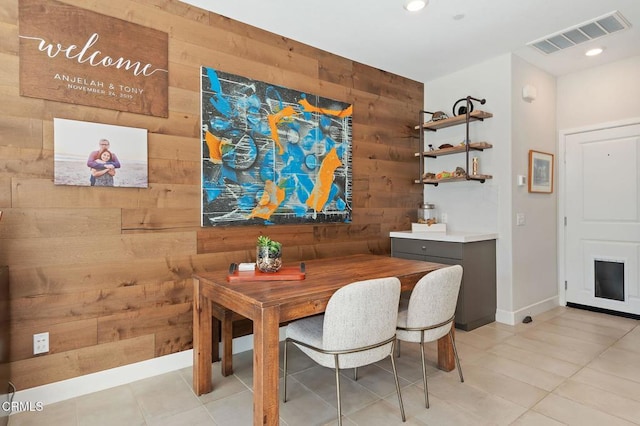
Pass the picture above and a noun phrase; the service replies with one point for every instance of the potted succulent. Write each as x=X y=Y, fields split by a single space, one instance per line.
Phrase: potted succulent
x=268 y=254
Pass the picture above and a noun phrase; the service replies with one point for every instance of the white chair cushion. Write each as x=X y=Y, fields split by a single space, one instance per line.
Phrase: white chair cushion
x=433 y=301
x=358 y=315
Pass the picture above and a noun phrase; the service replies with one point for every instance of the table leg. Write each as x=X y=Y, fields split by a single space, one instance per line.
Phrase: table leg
x=266 y=366
x=201 y=340
x=215 y=339
x=227 y=343
x=446 y=360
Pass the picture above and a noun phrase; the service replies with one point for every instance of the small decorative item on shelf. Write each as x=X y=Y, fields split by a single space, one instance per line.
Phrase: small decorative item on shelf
x=268 y=254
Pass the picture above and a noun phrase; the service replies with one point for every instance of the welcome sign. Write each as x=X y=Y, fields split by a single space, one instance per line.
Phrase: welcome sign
x=77 y=56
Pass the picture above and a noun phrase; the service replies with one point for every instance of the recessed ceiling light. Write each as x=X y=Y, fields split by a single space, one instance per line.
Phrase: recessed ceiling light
x=594 y=52
x=415 y=5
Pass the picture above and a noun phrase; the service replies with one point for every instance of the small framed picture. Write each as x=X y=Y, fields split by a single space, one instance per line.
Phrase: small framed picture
x=540 y=172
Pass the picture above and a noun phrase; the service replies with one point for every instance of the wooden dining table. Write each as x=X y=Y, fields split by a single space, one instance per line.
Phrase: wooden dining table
x=270 y=303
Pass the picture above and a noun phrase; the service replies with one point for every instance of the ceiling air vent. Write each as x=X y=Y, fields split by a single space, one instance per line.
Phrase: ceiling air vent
x=590 y=30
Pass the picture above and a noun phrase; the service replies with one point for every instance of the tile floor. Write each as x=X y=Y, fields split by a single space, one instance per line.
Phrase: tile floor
x=566 y=367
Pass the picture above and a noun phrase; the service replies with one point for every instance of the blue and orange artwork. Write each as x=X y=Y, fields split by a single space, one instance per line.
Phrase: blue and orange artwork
x=272 y=155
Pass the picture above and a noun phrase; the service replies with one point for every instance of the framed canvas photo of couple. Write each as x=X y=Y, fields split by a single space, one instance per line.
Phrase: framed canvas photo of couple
x=94 y=154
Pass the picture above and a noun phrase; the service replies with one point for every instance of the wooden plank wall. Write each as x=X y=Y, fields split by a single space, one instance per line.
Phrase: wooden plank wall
x=106 y=271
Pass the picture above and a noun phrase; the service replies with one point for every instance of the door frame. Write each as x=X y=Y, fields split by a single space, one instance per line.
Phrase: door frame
x=562 y=179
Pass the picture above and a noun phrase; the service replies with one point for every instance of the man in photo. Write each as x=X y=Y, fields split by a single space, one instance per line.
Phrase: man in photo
x=93 y=162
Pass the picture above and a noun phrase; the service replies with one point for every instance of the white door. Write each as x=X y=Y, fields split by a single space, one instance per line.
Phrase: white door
x=602 y=205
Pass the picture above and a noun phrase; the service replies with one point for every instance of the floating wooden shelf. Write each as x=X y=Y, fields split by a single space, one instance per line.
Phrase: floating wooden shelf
x=473 y=146
x=465 y=148
x=454 y=121
x=435 y=182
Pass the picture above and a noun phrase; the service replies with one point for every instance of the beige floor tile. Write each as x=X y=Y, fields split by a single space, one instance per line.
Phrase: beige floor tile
x=440 y=412
x=198 y=416
x=303 y=406
x=588 y=361
x=59 y=414
x=608 y=382
x=601 y=400
x=531 y=418
x=96 y=409
x=542 y=347
x=235 y=410
x=566 y=342
x=222 y=386
x=601 y=319
x=542 y=362
x=513 y=390
x=483 y=338
x=164 y=395
x=630 y=342
x=321 y=380
x=563 y=328
x=377 y=380
x=618 y=362
x=491 y=408
x=570 y=412
x=381 y=413
x=524 y=373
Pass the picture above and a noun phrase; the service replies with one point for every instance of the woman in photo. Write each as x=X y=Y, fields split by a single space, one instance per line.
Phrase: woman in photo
x=104 y=177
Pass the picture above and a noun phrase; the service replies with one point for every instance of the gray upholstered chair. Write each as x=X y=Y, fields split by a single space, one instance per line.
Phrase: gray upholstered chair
x=358 y=328
x=429 y=314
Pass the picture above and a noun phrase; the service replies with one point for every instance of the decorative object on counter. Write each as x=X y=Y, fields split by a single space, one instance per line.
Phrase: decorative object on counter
x=427 y=213
x=268 y=254
x=429 y=227
x=459 y=172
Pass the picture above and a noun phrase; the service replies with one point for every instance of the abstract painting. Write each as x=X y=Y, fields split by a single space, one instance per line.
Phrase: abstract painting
x=272 y=155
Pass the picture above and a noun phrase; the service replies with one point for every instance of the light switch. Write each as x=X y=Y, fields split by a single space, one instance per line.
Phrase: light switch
x=520 y=219
x=522 y=180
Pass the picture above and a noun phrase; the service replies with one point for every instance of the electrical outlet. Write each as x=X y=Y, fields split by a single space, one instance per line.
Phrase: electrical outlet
x=444 y=218
x=520 y=219
x=41 y=343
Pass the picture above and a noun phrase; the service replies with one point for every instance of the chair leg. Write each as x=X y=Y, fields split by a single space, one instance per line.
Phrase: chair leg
x=398 y=344
x=395 y=377
x=284 y=397
x=455 y=353
x=335 y=357
x=424 y=373
x=355 y=374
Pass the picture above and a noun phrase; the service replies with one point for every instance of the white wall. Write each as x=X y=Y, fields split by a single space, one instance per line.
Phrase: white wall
x=526 y=255
x=472 y=206
x=535 y=282
x=599 y=95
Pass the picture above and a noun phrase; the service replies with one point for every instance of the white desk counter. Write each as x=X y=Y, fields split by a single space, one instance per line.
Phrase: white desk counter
x=452 y=237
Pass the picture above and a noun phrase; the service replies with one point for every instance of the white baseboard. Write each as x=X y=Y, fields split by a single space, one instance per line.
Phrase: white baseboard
x=101 y=380
x=513 y=318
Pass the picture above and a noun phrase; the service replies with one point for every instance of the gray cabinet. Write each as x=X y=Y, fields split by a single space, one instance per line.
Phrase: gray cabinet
x=477 y=298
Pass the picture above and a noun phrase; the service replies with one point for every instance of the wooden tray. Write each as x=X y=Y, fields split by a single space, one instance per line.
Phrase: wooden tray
x=286 y=273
